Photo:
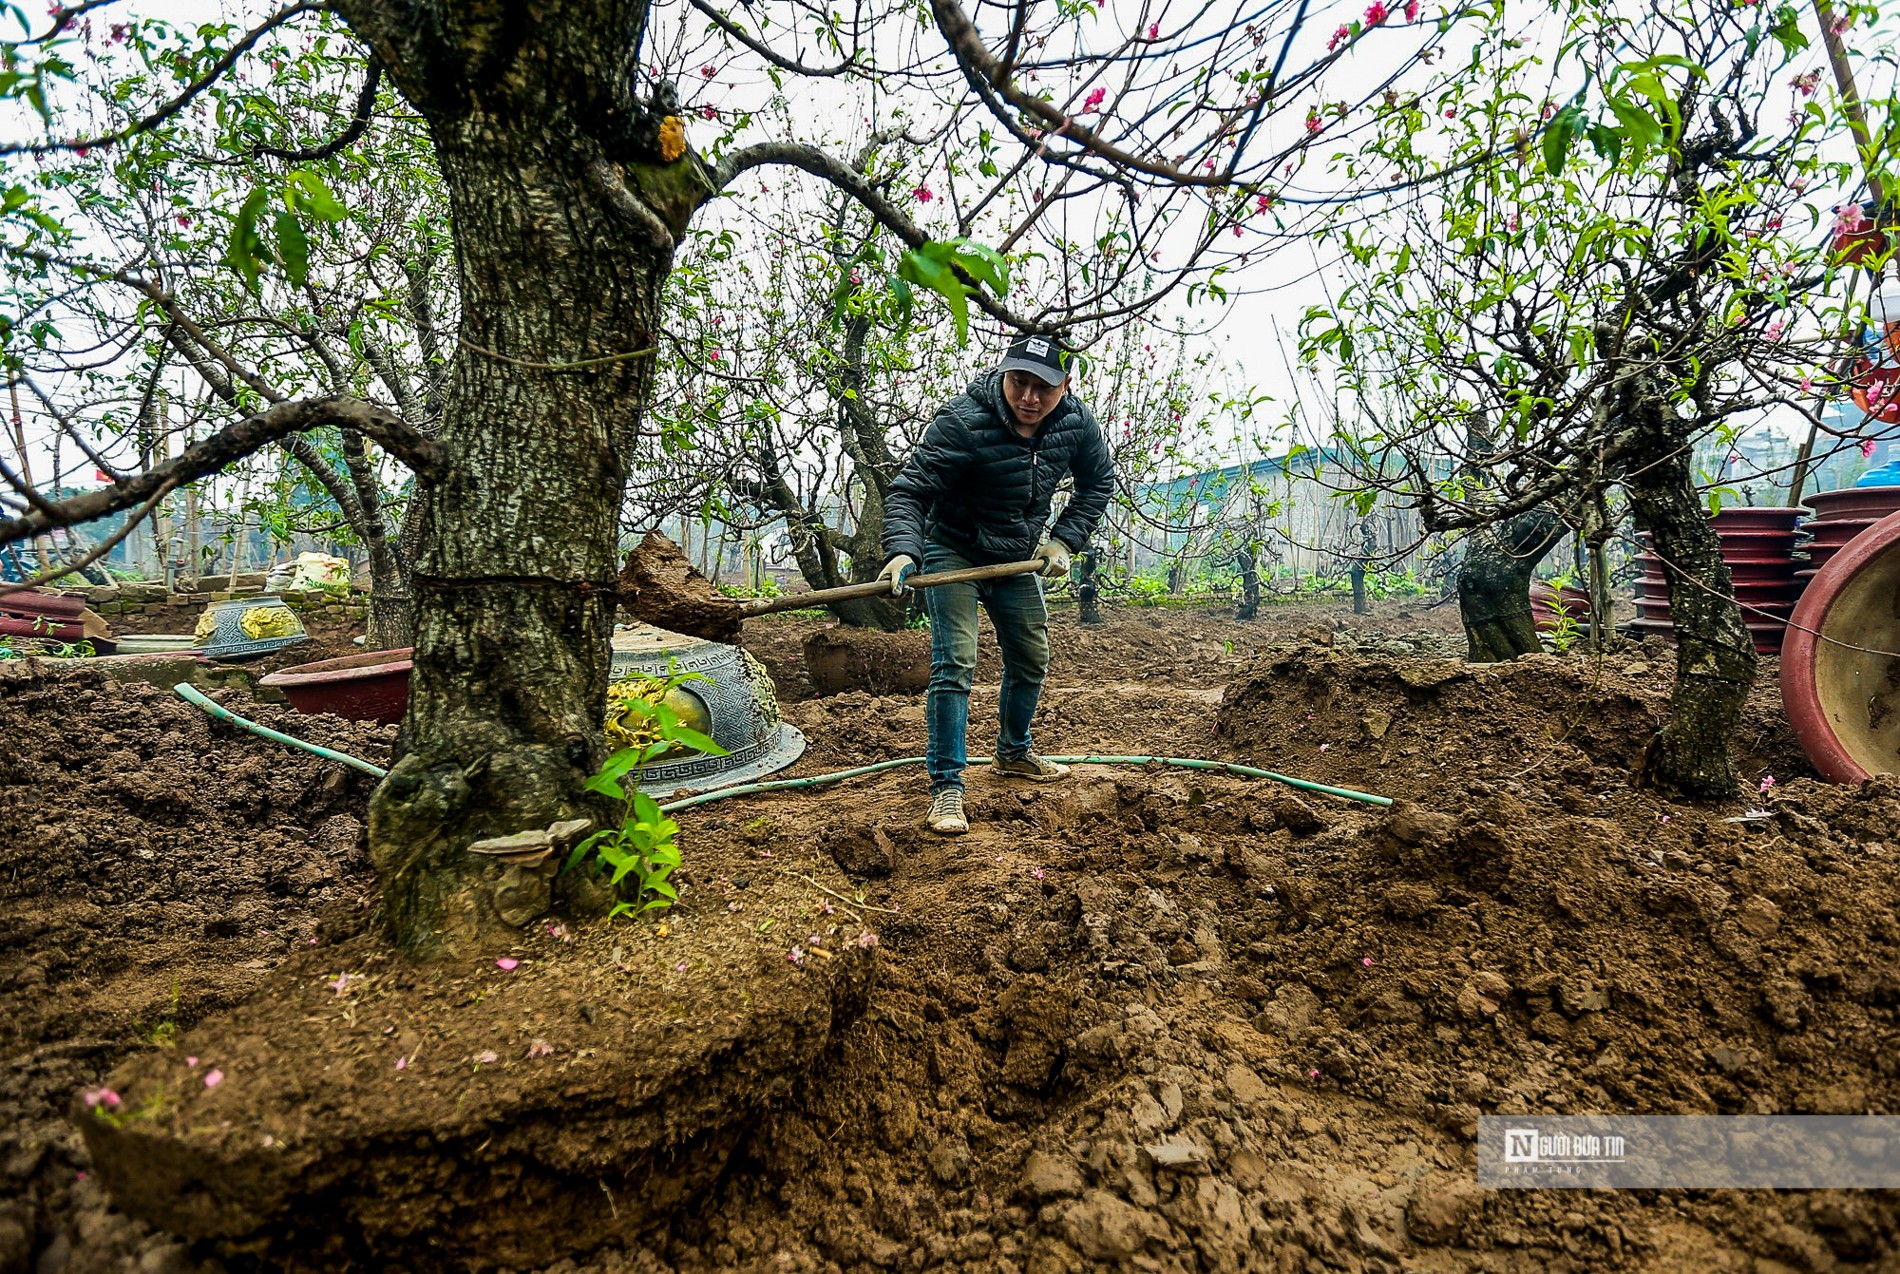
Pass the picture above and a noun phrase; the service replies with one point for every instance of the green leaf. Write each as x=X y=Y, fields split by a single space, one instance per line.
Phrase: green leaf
x=315 y=197
x=695 y=740
x=293 y=247
x=1607 y=141
x=1787 y=32
x=1639 y=126
x=925 y=267
x=984 y=264
x=245 y=251
x=1559 y=137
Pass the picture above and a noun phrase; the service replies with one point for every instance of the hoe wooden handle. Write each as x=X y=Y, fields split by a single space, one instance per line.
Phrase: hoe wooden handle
x=879 y=587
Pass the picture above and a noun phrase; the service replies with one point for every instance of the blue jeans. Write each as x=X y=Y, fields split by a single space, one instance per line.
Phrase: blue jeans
x=1022 y=632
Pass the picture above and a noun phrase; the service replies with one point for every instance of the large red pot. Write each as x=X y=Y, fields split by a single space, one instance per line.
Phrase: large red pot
x=1841 y=691
x=373 y=686
x=1853 y=502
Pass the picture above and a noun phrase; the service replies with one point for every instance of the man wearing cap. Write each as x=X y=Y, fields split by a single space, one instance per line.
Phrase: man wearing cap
x=977 y=491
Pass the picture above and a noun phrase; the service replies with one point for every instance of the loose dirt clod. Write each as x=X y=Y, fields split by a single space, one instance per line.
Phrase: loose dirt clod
x=659 y=586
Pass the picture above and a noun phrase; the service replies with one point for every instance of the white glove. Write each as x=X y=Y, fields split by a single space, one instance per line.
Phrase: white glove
x=1055 y=559
x=895 y=570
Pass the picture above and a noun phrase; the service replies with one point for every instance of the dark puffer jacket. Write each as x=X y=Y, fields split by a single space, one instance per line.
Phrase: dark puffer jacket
x=975 y=485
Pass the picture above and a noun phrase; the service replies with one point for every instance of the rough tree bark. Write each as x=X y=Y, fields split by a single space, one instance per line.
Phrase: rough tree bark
x=565 y=212
x=1248 y=563
x=1494 y=582
x=1715 y=656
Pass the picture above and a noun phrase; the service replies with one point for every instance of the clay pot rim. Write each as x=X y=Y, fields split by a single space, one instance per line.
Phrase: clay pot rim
x=1799 y=698
x=357 y=667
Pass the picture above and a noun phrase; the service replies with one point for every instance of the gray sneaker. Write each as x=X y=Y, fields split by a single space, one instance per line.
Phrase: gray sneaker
x=1039 y=769
x=946 y=813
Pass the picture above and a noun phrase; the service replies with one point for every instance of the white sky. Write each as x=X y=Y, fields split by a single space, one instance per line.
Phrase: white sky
x=1255 y=333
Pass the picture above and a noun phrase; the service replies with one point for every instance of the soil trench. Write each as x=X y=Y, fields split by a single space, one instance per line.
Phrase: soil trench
x=1142 y=1019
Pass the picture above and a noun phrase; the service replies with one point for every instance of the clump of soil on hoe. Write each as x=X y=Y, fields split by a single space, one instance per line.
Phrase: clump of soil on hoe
x=659 y=586
x=1143 y=1019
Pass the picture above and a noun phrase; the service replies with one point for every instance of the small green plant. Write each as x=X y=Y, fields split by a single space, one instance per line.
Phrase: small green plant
x=164 y=1032
x=642 y=853
x=768 y=587
x=1564 y=628
x=1147 y=590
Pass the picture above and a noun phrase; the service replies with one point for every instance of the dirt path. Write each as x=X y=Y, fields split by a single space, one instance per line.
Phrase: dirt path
x=1143 y=1019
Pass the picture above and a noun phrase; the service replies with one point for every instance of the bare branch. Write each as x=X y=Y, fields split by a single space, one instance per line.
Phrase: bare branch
x=425 y=456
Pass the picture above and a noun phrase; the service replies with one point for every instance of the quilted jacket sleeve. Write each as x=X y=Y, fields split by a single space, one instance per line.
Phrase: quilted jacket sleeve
x=1094 y=474
x=925 y=475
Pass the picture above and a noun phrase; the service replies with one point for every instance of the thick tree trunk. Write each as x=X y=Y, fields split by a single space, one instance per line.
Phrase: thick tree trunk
x=1088 y=597
x=1494 y=582
x=1248 y=604
x=1715 y=656
x=567 y=195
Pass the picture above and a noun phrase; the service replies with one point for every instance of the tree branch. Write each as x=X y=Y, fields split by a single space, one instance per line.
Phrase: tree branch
x=827 y=167
x=359 y=123
x=423 y=455
x=764 y=50
x=185 y=95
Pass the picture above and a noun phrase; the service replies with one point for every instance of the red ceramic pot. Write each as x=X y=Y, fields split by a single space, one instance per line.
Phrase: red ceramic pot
x=1748 y=517
x=373 y=686
x=1841 y=694
x=25 y=613
x=1853 y=502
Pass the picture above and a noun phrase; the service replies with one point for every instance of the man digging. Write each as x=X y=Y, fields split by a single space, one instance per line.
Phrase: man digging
x=977 y=491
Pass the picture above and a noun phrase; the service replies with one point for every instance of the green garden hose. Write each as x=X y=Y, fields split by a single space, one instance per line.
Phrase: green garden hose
x=1245 y=771
x=191 y=695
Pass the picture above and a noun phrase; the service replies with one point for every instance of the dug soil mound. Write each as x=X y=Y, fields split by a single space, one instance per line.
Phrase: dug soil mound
x=1142 y=1019
x=1405 y=725
x=841 y=659
x=156 y=864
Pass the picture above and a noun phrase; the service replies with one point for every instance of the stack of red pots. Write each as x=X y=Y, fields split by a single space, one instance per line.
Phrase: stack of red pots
x=26 y=613
x=1758 y=545
x=1840 y=516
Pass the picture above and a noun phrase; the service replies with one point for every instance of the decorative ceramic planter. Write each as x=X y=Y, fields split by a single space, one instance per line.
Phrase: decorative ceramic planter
x=1841 y=691
x=734 y=703
x=372 y=686
x=247 y=627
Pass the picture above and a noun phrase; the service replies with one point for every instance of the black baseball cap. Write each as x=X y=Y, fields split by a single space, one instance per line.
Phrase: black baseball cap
x=1041 y=356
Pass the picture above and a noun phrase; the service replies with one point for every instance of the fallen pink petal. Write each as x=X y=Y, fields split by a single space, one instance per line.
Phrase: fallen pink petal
x=213 y=1078
x=486 y=1057
x=507 y=964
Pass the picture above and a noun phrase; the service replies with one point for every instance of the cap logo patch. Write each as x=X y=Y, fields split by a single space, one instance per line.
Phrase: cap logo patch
x=1039 y=346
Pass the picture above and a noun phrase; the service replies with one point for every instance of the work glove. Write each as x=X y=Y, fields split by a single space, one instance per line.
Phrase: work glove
x=896 y=570
x=1055 y=559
